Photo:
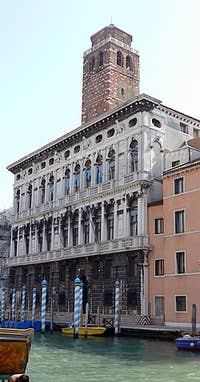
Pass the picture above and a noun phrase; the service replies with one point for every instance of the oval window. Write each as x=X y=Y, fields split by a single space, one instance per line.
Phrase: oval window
x=156 y=123
x=18 y=177
x=51 y=161
x=110 y=133
x=98 y=138
x=76 y=149
x=67 y=154
x=30 y=170
x=132 y=122
x=43 y=164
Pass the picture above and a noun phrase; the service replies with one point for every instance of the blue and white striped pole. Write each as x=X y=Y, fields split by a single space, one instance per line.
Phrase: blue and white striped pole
x=43 y=307
x=116 y=322
x=23 y=302
x=3 y=304
x=76 y=306
x=80 y=301
x=33 y=306
x=13 y=304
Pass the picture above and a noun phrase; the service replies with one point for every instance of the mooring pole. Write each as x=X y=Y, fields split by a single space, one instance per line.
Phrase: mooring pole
x=194 y=320
x=23 y=302
x=86 y=319
x=116 y=321
x=43 y=308
x=33 y=306
x=13 y=304
x=76 y=306
x=3 y=304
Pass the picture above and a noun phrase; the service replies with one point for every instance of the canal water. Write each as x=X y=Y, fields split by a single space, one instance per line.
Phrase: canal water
x=58 y=358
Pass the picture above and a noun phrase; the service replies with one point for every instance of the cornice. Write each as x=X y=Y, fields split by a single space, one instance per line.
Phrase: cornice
x=139 y=103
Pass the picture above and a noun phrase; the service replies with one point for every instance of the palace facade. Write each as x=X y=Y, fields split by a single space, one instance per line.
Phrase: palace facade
x=80 y=202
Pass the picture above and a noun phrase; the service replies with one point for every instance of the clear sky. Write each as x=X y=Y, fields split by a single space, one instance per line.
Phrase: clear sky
x=41 y=47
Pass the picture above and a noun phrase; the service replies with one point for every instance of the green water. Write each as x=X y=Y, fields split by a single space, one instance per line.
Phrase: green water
x=63 y=359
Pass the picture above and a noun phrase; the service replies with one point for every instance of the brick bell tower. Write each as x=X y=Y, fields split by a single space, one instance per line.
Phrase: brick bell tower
x=110 y=72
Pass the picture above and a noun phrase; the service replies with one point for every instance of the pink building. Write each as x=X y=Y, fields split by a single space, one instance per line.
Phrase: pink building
x=174 y=229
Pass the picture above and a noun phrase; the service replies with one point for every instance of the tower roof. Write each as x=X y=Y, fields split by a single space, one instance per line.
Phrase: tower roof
x=111 y=31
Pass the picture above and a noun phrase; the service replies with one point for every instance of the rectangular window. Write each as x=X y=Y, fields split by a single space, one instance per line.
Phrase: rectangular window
x=159 y=226
x=178 y=186
x=179 y=221
x=196 y=133
x=159 y=267
x=110 y=227
x=180 y=262
x=180 y=303
x=86 y=232
x=184 y=127
x=175 y=163
x=159 y=306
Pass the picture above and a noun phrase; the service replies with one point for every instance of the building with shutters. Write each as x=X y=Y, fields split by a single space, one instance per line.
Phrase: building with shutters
x=80 y=202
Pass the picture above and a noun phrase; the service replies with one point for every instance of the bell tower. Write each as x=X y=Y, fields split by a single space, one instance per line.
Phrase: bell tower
x=110 y=72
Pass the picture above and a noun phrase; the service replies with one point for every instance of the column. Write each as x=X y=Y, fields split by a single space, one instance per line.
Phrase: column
x=18 y=241
x=104 y=175
x=44 y=241
x=69 y=231
x=144 y=285
x=102 y=222
x=93 y=177
x=11 y=245
x=30 y=240
x=126 y=158
x=92 y=229
x=116 y=148
x=115 y=221
x=46 y=197
x=142 y=214
x=126 y=218
x=36 y=249
x=79 y=227
x=72 y=179
x=55 y=186
x=52 y=235
x=82 y=175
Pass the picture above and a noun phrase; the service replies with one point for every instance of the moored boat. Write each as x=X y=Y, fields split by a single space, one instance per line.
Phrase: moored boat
x=91 y=330
x=189 y=343
x=15 y=345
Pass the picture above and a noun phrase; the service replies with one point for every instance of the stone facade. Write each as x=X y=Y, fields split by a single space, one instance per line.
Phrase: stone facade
x=5 y=230
x=80 y=203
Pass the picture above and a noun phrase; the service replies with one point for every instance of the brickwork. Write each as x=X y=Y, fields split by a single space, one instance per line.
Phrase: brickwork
x=107 y=83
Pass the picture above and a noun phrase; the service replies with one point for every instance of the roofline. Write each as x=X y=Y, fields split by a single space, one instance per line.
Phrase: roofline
x=138 y=103
x=182 y=167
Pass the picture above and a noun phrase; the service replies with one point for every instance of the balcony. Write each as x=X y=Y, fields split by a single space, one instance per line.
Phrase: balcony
x=92 y=249
x=82 y=195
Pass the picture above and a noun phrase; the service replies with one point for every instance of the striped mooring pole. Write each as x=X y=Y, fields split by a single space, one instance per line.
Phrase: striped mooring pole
x=23 y=302
x=76 y=306
x=116 y=322
x=80 y=302
x=3 y=304
x=33 y=306
x=13 y=304
x=43 y=307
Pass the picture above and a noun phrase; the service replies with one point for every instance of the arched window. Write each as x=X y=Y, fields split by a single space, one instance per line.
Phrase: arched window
x=133 y=211
x=88 y=172
x=111 y=164
x=129 y=63
x=77 y=177
x=67 y=181
x=30 y=192
x=134 y=155
x=75 y=228
x=119 y=58
x=42 y=187
x=17 y=200
x=92 y=64
x=101 y=58
x=51 y=188
x=99 y=173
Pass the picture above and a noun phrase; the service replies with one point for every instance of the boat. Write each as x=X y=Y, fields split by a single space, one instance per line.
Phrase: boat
x=91 y=331
x=189 y=343
x=15 y=345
